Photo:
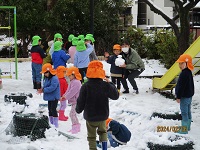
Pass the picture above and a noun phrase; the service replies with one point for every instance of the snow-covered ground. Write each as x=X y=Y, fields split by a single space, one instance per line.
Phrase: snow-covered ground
x=132 y=110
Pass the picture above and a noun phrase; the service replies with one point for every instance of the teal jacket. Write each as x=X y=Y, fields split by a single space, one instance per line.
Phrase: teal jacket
x=133 y=60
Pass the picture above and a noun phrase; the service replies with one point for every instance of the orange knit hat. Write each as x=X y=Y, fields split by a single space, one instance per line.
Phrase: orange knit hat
x=95 y=70
x=48 y=67
x=117 y=47
x=108 y=121
x=61 y=71
x=186 y=58
x=74 y=71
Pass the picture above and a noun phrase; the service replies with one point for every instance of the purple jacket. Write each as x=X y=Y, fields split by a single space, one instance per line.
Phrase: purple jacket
x=71 y=51
x=73 y=90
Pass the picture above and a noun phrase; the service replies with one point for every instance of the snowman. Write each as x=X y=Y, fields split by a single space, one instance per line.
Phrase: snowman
x=119 y=60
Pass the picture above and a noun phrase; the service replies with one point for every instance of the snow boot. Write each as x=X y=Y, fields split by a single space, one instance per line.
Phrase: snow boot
x=184 y=127
x=51 y=119
x=55 y=121
x=38 y=85
x=189 y=124
x=62 y=117
x=104 y=145
x=98 y=144
x=126 y=91
x=136 y=92
x=76 y=128
x=34 y=85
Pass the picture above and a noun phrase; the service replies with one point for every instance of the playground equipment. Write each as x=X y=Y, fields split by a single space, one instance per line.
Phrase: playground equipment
x=0 y=80
x=6 y=73
x=8 y=44
x=169 y=79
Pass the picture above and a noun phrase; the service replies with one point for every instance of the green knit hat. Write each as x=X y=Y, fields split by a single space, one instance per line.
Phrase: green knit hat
x=81 y=37
x=70 y=37
x=90 y=37
x=75 y=41
x=35 y=40
x=80 y=46
x=57 y=45
x=57 y=35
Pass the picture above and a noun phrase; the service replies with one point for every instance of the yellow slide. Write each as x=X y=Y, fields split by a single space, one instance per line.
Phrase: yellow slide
x=169 y=79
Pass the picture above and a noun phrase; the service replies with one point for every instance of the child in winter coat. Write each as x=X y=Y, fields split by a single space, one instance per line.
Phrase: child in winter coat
x=94 y=101
x=118 y=134
x=72 y=50
x=81 y=57
x=116 y=71
x=57 y=37
x=37 y=55
x=51 y=90
x=184 y=91
x=47 y=59
x=90 y=38
x=59 y=57
x=71 y=95
x=61 y=71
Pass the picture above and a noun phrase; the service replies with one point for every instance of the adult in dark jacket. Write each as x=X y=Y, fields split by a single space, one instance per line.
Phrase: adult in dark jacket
x=134 y=66
x=94 y=101
x=37 y=55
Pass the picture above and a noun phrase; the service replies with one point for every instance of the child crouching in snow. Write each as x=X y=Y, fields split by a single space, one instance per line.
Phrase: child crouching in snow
x=72 y=94
x=61 y=71
x=51 y=90
x=118 y=134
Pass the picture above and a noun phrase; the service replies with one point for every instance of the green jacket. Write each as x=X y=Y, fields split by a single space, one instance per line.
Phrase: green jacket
x=47 y=59
x=133 y=60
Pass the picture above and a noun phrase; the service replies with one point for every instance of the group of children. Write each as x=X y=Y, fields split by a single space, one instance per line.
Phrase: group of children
x=80 y=97
x=93 y=96
x=55 y=88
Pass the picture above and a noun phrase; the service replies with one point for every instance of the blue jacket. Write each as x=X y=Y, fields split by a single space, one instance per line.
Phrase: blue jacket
x=51 y=89
x=59 y=58
x=81 y=59
x=120 y=132
x=114 y=69
x=185 y=84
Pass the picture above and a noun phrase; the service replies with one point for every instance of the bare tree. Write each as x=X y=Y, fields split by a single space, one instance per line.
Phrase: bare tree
x=182 y=7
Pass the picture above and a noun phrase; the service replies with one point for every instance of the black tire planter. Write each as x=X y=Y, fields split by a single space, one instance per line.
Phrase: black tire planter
x=19 y=98
x=36 y=134
x=168 y=94
x=175 y=116
x=185 y=146
x=30 y=125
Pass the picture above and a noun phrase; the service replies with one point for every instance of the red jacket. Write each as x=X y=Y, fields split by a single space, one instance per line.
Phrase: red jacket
x=63 y=86
x=37 y=54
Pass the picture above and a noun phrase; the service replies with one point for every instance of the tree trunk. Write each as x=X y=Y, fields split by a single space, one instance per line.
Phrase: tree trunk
x=184 y=36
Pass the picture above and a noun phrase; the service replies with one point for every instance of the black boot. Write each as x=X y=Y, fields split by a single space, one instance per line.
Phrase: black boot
x=126 y=91
x=39 y=85
x=34 y=85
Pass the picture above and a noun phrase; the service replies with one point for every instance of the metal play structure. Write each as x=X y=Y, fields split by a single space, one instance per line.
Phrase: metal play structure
x=10 y=28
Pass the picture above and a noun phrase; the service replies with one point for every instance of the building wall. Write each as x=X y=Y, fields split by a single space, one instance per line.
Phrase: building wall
x=158 y=20
x=154 y=19
x=135 y=13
